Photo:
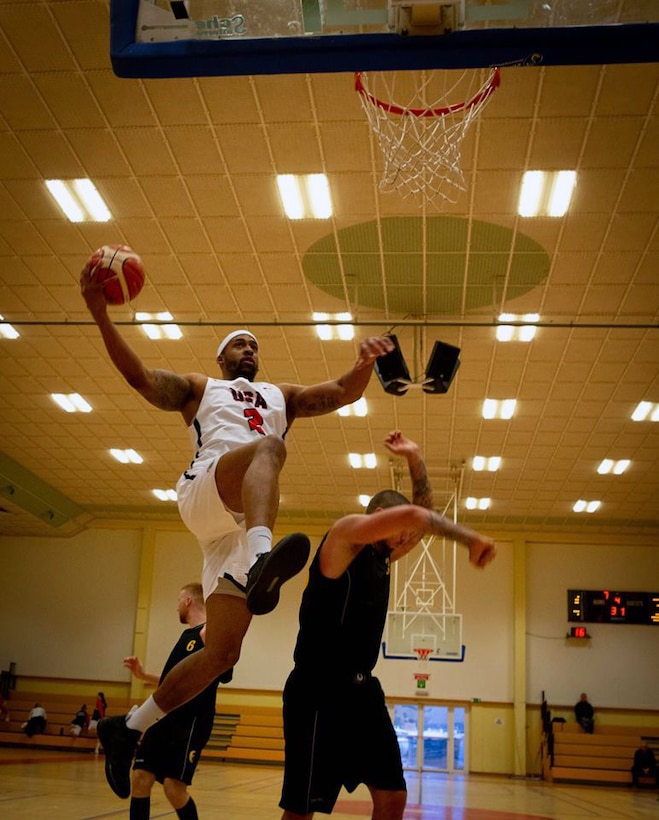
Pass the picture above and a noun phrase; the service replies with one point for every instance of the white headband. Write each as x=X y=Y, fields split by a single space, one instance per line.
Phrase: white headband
x=231 y=336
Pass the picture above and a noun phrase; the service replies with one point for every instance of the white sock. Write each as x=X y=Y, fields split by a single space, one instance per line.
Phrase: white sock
x=259 y=539
x=145 y=715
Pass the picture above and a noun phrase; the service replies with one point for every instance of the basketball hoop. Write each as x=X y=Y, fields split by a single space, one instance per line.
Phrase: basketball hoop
x=421 y=139
x=423 y=653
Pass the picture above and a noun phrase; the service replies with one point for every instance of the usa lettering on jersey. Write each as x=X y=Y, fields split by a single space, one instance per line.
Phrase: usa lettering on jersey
x=252 y=414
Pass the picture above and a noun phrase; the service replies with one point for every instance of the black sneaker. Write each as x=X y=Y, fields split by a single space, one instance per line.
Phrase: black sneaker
x=274 y=568
x=119 y=744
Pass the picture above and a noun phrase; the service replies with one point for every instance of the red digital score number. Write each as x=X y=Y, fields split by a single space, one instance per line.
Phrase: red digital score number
x=578 y=632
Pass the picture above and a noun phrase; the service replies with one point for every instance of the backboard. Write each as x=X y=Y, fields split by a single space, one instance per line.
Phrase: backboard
x=439 y=633
x=187 y=38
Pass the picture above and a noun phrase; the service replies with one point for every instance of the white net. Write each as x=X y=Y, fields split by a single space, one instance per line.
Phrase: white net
x=420 y=120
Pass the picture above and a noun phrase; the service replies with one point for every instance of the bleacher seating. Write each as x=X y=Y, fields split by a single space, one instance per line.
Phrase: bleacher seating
x=60 y=709
x=250 y=734
x=604 y=757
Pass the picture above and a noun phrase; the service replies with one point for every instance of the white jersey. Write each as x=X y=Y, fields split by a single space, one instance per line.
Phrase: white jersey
x=234 y=413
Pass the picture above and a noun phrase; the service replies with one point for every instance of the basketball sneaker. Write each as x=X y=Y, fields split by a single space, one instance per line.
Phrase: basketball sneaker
x=274 y=568
x=119 y=744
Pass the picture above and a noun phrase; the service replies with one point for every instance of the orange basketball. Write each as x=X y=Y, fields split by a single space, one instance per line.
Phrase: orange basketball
x=120 y=270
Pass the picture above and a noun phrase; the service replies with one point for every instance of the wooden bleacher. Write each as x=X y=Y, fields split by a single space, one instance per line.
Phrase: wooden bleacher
x=59 y=709
x=604 y=757
x=250 y=734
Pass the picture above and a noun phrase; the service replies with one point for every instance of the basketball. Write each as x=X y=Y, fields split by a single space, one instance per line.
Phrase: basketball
x=120 y=270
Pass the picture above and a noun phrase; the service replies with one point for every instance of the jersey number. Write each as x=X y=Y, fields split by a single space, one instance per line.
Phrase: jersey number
x=254 y=420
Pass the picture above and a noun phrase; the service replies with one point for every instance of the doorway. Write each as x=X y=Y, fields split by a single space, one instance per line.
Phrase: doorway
x=431 y=738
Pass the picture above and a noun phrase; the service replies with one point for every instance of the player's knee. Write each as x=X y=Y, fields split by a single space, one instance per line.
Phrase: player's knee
x=176 y=792
x=222 y=658
x=141 y=782
x=388 y=804
x=273 y=448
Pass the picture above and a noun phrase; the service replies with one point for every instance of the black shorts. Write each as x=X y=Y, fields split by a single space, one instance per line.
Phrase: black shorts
x=171 y=747
x=340 y=736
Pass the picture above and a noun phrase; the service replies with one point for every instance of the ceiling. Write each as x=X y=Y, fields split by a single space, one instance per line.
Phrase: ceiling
x=188 y=169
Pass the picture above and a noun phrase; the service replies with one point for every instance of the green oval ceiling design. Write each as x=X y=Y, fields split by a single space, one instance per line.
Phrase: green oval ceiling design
x=463 y=263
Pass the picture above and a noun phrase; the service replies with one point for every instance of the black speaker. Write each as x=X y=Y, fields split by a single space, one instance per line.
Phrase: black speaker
x=441 y=368
x=392 y=370
x=179 y=10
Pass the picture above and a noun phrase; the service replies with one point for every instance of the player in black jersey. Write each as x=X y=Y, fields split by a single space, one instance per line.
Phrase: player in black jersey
x=169 y=750
x=336 y=725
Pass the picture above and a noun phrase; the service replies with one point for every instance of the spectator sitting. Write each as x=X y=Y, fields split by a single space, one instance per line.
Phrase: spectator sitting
x=80 y=721
x=644 y=765
x=36 y=723
x=585 y=714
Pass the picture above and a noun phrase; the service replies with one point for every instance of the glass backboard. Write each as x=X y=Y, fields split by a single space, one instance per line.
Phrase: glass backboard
x=175 y=38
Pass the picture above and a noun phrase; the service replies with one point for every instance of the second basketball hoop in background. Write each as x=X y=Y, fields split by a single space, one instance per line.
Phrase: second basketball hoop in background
x=420 y=119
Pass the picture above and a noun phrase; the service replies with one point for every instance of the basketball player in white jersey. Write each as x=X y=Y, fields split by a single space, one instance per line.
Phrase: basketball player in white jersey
x=228 y=497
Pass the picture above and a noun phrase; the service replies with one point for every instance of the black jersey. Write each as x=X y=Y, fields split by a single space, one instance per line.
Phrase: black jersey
x=342 y=619
x=202 y=704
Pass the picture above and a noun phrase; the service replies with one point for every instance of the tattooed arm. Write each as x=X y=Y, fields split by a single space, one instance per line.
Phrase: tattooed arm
x=400 y=528
x=400 y=445
x=319 y=399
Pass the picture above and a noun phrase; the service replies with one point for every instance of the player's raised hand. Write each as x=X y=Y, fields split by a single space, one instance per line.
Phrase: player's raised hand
x=91 y=288
x=400 y=445
x=372 y=347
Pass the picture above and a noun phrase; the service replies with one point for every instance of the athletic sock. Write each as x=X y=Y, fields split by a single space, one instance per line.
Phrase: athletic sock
x=188 y=812
x=259 y=539
x=140 y=808
x=145 y=715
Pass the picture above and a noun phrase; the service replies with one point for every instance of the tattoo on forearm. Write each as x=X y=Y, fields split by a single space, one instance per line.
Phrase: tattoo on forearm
x=318 y=405
x=421 y=488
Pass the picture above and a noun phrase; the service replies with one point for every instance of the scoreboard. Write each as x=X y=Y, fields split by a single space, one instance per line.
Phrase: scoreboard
x=604 y=606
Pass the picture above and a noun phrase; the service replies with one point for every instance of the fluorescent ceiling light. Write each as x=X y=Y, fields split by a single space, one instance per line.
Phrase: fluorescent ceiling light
x=165 y=495
x=159 y=331
x=519 y=333
x=472 y=503
x=291 y=196
x=126 y=456
x=561 y=193
x=608 y=465
x=79 y=200
x=305 y=196
x=91 y=200
x=326 y=332
x=357 y=408
x=546 y=193
x=507 y=408
x=530 y=193
x=493 y=408
x=364 y=499
x=490 y=407
x=367 y=460
x=72 y=402
x=646 y=411
x=319 y=196
x=6 y=330
x=586 y=506
x=491 y=464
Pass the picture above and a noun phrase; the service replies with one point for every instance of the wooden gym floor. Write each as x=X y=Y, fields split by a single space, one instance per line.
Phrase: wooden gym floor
x=45 y=785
